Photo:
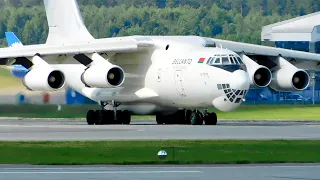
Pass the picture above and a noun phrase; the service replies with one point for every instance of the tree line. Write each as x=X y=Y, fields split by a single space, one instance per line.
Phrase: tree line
x=238 y=20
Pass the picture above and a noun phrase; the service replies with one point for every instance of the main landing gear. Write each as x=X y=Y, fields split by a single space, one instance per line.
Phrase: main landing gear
x=188 y=117
x=104 y=117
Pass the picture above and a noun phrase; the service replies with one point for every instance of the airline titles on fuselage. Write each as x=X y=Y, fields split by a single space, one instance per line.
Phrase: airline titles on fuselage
x=182 y=61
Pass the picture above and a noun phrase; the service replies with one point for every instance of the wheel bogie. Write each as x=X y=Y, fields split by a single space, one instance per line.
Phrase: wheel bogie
x=107 y=117
x=185 y=117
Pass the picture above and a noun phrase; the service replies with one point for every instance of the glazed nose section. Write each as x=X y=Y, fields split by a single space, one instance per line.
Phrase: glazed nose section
x=234 y=92
x=239 y=80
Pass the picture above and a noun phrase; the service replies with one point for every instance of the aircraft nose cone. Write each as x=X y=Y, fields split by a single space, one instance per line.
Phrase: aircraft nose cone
x=239 y=80
x=232 y=96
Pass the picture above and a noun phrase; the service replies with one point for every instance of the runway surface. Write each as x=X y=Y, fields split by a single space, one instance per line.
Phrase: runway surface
x=69 y=130
x=245 y=172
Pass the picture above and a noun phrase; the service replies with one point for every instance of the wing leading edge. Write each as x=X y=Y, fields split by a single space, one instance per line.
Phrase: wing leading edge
x=112 y=45
x=252 y=49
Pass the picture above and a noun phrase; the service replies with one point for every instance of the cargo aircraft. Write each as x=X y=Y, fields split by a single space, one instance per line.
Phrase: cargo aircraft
x=176 y=78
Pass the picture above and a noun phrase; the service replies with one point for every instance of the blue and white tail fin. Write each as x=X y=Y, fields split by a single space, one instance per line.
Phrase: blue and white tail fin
x=13 y=41
x=65 y=22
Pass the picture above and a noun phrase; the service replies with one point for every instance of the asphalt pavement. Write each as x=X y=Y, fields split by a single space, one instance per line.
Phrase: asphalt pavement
x=229 y=172
x=71 y=130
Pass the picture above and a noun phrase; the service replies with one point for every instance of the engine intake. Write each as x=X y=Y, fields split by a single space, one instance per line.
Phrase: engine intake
x=115 y=76
x=290 y=80
x=103 y=76
x=44 y=79
x=262 y=77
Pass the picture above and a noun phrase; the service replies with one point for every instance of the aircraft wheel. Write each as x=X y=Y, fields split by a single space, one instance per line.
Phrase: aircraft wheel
x=196 y=118
x=159 y=119
x=126 y=117
x=109 y=117
x=119 y=117
x=179 y=117
x=187 y=117
x=91 y=116
x=211 y=119
x=101 y=117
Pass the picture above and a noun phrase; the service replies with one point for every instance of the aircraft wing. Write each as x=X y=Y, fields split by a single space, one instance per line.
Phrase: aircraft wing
x=115 y=45
x=265 y=51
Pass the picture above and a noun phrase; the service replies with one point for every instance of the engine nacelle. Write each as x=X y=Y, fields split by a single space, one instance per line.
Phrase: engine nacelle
x=290 y=80
x=260 y=76
x=44 y=79
x=103 y=76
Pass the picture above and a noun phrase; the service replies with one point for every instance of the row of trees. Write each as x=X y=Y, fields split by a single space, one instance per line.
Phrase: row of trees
x=238 y=20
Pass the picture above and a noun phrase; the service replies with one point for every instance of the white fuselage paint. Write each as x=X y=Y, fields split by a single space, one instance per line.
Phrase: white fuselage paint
x=174 y=75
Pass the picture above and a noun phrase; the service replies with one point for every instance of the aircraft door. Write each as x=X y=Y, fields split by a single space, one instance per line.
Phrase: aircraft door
x=179 y=83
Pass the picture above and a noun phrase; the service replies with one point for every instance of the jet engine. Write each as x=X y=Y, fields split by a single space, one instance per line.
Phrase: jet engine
x=288 y=77
x=104 y=75
x=290 y=80
x=44 y=79
x=260 y=76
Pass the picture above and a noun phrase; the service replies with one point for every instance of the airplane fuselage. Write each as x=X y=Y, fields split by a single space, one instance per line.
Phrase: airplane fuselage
x=167 y=78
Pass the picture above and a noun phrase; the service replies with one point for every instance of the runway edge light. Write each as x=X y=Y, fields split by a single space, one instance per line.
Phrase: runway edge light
x=162 y=154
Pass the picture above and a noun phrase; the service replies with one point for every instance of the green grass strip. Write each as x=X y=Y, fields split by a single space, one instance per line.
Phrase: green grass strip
x=145 y=152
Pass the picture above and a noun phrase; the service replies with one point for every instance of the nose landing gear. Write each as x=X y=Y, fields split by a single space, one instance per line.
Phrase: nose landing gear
x=103 y=117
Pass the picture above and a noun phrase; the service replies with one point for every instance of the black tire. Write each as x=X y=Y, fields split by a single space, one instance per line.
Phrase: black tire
x=196 y=118
x=170 y=119
x=103 y=117
x=187 y=118
x=119 y=117
x=109 y=117
x=91 y=116
x=179 y=117
x=211 y=119
x=159 y=119
x=97 y=119
x=126 y=117
x=214 y=118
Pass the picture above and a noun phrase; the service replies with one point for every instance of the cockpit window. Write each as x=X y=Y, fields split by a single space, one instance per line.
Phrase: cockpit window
x=208 y=62
x=218 y=60
x=225 y=60
x=232 y=60
x=235 y=60
x=212 y=60
x=239 y=59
